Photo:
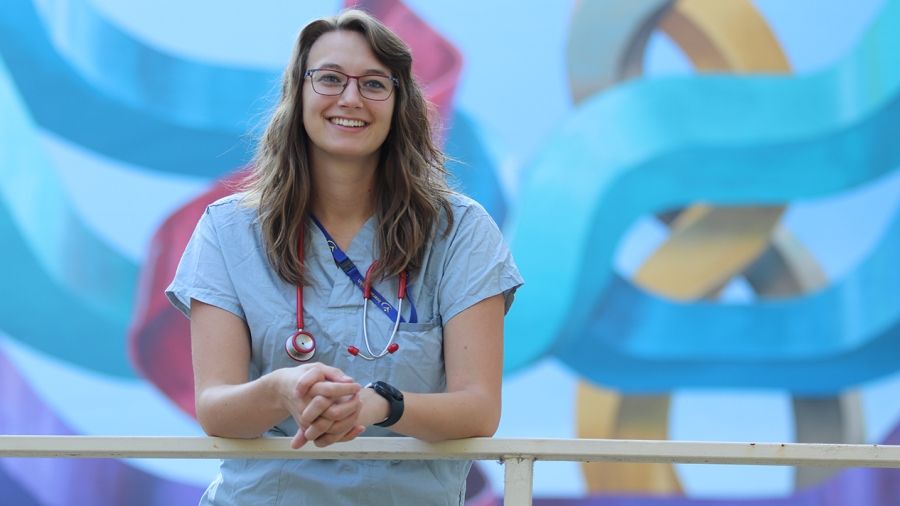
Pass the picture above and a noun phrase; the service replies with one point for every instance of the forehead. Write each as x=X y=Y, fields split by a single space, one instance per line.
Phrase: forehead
x=346 y=50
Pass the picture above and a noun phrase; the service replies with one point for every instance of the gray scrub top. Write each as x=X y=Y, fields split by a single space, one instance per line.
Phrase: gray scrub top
x=225 y=265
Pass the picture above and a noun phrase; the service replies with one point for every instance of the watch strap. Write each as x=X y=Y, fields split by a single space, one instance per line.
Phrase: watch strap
x=394 y=398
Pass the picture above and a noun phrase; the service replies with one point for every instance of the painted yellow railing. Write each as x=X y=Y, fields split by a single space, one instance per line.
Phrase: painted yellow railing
x=517 y=455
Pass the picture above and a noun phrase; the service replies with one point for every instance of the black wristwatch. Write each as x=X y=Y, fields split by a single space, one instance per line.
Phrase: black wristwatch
x=395 y=402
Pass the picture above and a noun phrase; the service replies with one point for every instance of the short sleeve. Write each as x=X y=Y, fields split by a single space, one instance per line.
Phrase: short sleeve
x=202 y=273
x=478 y=264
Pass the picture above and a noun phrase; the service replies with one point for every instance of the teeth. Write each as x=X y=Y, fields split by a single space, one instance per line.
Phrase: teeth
x=348 y=122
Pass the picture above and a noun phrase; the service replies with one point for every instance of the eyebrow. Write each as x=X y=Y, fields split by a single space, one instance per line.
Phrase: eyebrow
x=367 y=72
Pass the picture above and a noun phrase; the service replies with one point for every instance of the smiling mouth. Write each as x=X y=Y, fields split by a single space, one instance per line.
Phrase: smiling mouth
x=344 y=122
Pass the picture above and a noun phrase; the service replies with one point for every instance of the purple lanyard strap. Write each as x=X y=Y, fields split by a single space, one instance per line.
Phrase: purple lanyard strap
x=345 y=264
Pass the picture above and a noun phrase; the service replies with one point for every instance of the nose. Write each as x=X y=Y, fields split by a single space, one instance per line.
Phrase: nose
x=350 y=95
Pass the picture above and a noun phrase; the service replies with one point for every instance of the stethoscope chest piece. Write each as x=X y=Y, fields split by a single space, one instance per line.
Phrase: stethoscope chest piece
x=300 y=346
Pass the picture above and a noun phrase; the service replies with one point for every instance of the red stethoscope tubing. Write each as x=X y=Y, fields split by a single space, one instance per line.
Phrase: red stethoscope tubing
x=301 y=345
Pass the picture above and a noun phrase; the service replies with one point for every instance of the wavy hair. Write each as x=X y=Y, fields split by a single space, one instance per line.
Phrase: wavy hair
x=411 y=187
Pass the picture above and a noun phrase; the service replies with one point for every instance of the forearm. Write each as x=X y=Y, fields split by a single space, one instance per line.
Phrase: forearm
x=473 y=344
x=473 y=355
x=244 y=410
x=451 y=415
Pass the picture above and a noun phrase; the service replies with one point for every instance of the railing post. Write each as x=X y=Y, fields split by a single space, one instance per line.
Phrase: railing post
x=517 y=486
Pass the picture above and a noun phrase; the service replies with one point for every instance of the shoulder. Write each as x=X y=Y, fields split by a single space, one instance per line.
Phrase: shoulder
x=465 y=210
x=469 y=260
x=461 y=203
x=234 y=203
x=233 y=221
x=232 y=209
x=467 y=223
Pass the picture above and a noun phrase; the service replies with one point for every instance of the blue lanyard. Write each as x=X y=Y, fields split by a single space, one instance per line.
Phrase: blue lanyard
x=345 y=264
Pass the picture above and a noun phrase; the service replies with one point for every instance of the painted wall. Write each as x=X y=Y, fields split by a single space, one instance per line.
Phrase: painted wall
x=702 y=196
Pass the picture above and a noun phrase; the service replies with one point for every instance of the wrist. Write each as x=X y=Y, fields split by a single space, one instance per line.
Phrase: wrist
x=279 y=390
x=395 y=402
x=375 y=407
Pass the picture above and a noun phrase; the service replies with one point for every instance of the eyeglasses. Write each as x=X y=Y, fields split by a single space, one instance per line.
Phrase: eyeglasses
x=332 y=82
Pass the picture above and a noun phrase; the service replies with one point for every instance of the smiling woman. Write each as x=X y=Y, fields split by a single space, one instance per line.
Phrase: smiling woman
x=342 y=121
x=346 y=175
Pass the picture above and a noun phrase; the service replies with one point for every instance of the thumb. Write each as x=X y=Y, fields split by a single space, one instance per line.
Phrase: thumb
x=299 y=439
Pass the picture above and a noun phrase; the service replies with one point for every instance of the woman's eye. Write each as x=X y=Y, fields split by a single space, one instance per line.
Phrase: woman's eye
x=377 y=84
x=330 y=78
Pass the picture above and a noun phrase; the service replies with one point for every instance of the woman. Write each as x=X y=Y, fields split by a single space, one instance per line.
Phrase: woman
x=283 y=339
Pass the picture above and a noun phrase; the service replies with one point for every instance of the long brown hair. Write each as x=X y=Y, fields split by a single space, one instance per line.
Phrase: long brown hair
x=411 y=188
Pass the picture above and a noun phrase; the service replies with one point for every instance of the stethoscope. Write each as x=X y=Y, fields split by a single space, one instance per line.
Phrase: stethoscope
x=391 y=346
x=301 y=345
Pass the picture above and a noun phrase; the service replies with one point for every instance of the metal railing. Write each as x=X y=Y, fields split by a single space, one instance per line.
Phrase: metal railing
x=517 y=455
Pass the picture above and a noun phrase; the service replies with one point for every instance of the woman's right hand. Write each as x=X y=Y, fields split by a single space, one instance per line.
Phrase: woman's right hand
x=325 y=389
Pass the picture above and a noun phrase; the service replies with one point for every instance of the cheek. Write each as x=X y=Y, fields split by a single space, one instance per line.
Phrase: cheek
x=306 y=118
x=309 y=115
x=385 y=130
x=307 y=105
x=389 y=117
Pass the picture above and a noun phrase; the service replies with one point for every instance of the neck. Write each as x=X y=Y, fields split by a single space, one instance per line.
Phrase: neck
x=343 y=195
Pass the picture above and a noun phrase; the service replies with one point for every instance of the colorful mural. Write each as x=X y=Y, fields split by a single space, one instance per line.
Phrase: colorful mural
x=679 y=231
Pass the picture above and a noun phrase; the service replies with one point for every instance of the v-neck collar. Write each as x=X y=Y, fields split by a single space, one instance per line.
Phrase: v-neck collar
x=362 y=240
x=361 y=252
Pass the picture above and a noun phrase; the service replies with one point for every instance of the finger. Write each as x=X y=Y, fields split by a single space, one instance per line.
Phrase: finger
x=356 y=431
x=299 y=439
x=314 y=410
x=339 y=428
x=315 y=373
x=331 y=373
x=334 y=435
x=343 y=409
x=317 y=429
x=328 y=439
x=334 y=390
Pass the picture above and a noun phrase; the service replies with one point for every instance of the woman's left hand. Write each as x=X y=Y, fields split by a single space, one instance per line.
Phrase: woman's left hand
x=325 y=420
x=328 y=424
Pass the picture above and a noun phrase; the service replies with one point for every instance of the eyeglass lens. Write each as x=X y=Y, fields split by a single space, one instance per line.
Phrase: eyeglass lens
x=332 y=82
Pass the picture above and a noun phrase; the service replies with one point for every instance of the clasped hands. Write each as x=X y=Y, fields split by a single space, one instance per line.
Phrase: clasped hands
x=328 y=405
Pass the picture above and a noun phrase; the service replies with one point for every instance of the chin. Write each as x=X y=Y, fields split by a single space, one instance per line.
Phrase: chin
x=353 y=152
